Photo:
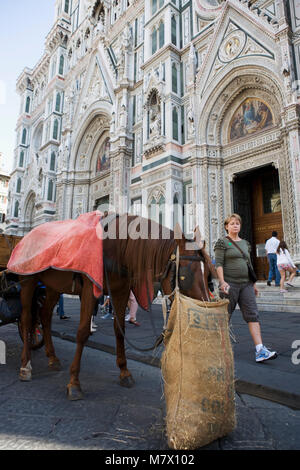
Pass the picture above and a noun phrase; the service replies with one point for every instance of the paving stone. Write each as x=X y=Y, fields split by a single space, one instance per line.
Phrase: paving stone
x=37 y=415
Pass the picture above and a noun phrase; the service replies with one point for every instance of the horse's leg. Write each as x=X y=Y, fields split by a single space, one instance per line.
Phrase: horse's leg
x=27 y=290
x=46 y=319
x=88 y=302
x=120 y=298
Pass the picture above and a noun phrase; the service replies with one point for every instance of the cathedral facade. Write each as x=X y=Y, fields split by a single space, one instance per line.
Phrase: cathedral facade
x=179 y=110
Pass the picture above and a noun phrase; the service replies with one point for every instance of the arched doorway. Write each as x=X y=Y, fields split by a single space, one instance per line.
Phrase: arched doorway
x=248 y=161
x=92 y=165
x=30 y=212
x=257 y=199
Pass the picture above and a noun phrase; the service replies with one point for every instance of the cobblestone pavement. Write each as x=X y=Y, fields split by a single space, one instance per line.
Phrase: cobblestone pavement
x=38 y=416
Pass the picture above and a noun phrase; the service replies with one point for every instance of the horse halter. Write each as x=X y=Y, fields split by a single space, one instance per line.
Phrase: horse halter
x=185 y=274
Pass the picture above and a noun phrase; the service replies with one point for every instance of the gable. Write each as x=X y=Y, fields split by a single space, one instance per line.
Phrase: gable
x=95 y=89
x=235 y=40
x=237 y=43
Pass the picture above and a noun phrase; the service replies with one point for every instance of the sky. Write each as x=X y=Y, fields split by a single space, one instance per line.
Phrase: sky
x=24 y=25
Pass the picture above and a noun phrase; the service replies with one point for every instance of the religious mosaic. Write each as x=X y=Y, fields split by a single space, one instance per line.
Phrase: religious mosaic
x=251 y=116
x=103 y=162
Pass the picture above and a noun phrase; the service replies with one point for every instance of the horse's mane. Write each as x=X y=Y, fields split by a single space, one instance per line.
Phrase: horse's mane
x=145 y=256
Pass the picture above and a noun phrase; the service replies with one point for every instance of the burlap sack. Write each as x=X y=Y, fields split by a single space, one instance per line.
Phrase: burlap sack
x=198 y=373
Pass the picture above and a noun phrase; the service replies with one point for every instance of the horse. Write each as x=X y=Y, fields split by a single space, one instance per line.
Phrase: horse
x=129 y=264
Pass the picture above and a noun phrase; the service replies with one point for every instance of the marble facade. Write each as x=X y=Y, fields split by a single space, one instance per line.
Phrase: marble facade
x=155 y=87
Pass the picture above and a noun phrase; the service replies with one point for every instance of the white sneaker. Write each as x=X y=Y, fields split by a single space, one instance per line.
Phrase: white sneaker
x=93 y=327
x=289 y=284
x=264 y=354
x=127 y=317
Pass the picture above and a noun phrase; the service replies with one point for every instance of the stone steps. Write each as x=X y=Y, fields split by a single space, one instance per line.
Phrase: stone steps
x=270 y=298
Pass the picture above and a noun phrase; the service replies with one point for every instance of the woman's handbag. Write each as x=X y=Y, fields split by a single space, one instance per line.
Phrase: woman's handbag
x=251 y=272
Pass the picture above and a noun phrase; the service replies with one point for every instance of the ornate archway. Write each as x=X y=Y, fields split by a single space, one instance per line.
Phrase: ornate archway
x=29 y=212
x=92 y=165
x=239 y=132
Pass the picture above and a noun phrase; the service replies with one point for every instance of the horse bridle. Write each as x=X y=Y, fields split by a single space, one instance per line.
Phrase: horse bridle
x=185 y=274
x=171 y=265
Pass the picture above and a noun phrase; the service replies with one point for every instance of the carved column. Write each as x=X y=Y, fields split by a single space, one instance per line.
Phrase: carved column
x=292 y=173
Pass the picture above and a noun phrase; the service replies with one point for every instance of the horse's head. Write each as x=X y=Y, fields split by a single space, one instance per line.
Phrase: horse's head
x=195 y=267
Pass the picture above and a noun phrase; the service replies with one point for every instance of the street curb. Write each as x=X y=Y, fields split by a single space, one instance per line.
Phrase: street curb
x=150 y=361
x=267 y=393
x=281 y=397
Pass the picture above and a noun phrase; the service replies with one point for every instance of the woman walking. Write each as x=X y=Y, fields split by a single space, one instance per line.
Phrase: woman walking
x=232 y=256
x=285 y=264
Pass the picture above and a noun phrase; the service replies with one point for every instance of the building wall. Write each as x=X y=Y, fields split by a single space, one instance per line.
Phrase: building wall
x=4 y=183
x=135 y=101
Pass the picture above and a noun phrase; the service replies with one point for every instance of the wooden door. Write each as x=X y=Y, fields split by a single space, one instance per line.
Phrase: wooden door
x=7 y=244
x=266 y=215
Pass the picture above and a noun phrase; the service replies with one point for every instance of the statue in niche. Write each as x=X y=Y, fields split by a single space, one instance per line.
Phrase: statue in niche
x=191 y=121
x=121 y=62
x=100 y=23
x=97 y=15
x=113 y=122
x=154 y=116
x=65 y=157
x=67 y=110
x=82 y=160
x=79 y=209
x=118 y=7
x=127 y=36
x=59 y=157
x=123 y=113
x=64 y=154
x=161 y=72
x=191 y=65
x=40 y=184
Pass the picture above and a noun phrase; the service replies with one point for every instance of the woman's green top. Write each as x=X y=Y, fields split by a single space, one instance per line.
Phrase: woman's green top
x=231 y=260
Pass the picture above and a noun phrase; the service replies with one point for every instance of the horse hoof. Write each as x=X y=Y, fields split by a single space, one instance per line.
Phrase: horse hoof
x=74 y=393
x=25 y=375
x=127 y=381
x=54 y=364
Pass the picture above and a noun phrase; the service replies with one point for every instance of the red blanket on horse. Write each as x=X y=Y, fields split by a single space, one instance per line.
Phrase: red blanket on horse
x=69 y=245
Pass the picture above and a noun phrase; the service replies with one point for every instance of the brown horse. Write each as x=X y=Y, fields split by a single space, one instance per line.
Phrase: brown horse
x=130 y=262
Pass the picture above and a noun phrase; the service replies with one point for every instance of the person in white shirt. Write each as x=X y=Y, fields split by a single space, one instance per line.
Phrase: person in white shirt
x=133 y=307
x=285 y=264
x=271 y=248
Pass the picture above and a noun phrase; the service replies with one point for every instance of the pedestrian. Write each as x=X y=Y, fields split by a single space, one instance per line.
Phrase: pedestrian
x=133 y=307
x=107 y=306
x=60 y=308
x=233 y=274
x=94 y=325
x=271 y=247
x=285 y=264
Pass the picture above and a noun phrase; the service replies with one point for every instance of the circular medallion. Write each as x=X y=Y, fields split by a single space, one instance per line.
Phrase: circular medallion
x=232 y=46
x=209 y=4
